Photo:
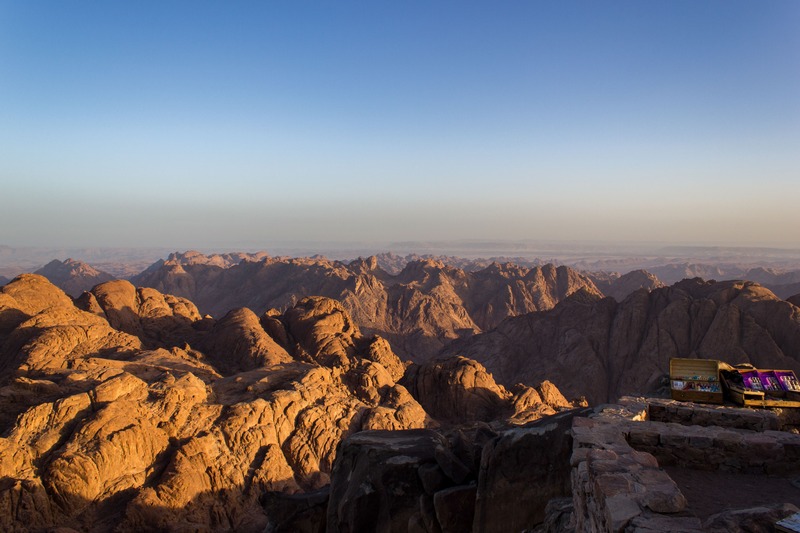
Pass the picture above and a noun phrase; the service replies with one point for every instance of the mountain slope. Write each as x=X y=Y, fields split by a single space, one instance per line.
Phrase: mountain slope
x=603 y=349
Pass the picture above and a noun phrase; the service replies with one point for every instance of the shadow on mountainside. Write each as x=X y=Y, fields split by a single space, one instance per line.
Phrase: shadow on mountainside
x=237 y=509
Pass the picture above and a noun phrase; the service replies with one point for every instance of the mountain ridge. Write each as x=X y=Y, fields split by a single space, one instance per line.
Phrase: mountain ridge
x=418 y=310
x=604 y=349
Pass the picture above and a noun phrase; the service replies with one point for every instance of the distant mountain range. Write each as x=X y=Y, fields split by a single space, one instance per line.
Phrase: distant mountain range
x=419 y=303
x=419 y=309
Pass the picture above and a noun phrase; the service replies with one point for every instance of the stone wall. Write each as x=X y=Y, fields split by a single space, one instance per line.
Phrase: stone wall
x=617 y=481
x=588 y=470
x=615 y=487
x=693 y=414
x=713 y=448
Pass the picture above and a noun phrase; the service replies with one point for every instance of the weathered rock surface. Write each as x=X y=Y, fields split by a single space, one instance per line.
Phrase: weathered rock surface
x=128 y=411
x=418 y=309
x=528 y=464
x=602 y=349
x=375 y=485
x=112 y=422
x=427 y=480
x=73 y=277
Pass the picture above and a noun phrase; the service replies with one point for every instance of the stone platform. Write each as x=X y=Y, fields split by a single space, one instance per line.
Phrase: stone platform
x=617 y=480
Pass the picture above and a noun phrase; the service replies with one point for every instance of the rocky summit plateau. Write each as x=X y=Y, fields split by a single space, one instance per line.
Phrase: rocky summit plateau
x=244 y=392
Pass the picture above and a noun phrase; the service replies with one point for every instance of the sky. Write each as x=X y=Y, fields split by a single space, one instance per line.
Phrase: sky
x=237 y=124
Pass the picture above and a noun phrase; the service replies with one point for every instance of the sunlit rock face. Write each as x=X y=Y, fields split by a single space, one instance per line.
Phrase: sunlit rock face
x=127 y=411
x=418 y=310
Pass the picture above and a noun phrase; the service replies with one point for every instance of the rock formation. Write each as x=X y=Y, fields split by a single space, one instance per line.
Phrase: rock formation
x=602 y=349
x=128 y=411
x=475 y=480
x=73 y=277
x=418 y=310
x=620 y=287
x=782 y=282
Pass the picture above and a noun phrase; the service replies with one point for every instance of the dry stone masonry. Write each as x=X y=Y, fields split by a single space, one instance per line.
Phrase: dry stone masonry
x=617 y=481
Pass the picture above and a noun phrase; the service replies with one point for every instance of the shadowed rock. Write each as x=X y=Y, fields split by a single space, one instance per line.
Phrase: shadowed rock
x=602 y=349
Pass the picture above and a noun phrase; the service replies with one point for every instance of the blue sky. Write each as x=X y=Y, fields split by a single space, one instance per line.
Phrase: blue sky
x=199 y=124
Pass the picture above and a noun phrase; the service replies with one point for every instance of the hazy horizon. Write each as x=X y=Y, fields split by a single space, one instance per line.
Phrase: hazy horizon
x=203 y=125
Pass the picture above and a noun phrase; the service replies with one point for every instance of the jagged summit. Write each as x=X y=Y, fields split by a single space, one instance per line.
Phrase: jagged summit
x=419 y=309
x=73 y=276
x=224 y=260
x=620 y=286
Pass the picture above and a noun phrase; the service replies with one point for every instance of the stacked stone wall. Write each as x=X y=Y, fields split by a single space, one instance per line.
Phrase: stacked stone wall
x=618 y=488
x=617 y=481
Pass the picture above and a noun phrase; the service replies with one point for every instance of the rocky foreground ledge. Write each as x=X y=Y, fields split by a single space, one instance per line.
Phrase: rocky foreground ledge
x=583 y=470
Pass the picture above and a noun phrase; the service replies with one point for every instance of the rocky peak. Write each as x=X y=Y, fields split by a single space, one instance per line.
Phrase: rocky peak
x=33 y=293
x=72 y=276
x=417 y=311
x=362 y=266
x=620 y=287
x=421 y=269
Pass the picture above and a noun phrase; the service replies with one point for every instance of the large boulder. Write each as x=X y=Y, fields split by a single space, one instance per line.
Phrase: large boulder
x=238 y=343
x=457 y=389
x=527 y=464
x=375 y=485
